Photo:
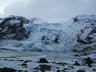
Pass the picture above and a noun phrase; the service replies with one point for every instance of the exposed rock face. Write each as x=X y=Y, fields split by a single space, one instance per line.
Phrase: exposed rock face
x=89 y=38
x=48 y=40
x=88 y=61
x=12 y=28
x=88 y=30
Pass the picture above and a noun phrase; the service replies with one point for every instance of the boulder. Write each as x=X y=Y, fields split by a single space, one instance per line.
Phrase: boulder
x=7 y=70
x=43 y=60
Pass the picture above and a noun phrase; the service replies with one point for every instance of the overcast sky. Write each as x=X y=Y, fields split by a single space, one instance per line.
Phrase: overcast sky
x=49 y=10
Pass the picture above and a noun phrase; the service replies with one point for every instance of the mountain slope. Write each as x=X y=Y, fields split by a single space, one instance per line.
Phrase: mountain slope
x=78 y=33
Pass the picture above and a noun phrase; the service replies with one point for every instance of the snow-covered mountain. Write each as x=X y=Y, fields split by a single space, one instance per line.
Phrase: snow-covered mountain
x=19 y=33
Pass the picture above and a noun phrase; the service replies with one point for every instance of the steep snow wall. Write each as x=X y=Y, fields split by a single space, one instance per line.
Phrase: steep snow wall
x=78 y=33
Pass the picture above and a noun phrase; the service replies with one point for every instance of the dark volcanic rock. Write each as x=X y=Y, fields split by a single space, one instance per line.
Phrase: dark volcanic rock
x=94 y=69
x=58 y=70
x=24 y=65
x=27 y=61
x=56 y=40
x=21 y=71
x=88 y=61
x=7 y=70
x=13 y=28
x=47 y=40
x=75 y=19
x=89 y=39
x=81 y=71
x=43 y=60
x=45 y=67
x=61 y=63
x=81 y=41
x=77 y=64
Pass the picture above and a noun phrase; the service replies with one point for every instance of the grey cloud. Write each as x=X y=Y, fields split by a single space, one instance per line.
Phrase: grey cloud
x=51 y=10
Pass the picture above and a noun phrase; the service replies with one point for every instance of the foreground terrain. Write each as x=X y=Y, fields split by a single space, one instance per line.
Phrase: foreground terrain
x=28 y=61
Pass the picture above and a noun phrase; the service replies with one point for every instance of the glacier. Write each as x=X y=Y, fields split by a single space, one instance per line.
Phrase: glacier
x=19 y=33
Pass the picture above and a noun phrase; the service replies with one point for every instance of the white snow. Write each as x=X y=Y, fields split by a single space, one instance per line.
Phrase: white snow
x=68 y=33
x=15 y=59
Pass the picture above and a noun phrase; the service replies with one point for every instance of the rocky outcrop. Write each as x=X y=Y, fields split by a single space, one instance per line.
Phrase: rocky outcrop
x=13 y=28
x=48 y=40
